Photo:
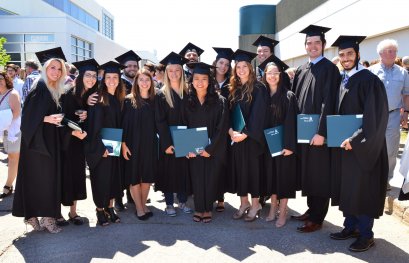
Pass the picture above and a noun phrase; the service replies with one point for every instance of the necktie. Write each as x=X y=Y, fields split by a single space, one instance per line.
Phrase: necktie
x=345 y=79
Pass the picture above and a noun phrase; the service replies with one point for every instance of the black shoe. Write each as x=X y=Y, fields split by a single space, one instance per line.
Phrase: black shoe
x=60 y=221
x=102 y=218
x=262 y=200
x=344 y=234
x=362 y=244
x=150 y=214
x=111 y=213
x=119 y=206
x=143 y=217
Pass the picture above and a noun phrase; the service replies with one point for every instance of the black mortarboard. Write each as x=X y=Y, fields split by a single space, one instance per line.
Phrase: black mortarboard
x=265 y=41
x=191 y=47
x=344 y=42
x=173 y=58
x=128 y=56
x=280 y=64
x=224 y=53
x=112 y=67
x=89 y=64
x=45 y=55
x=313 y=30
x=200 y=67
x=242 y=55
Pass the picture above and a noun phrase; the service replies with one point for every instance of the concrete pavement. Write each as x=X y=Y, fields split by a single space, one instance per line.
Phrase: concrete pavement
x=179 y=239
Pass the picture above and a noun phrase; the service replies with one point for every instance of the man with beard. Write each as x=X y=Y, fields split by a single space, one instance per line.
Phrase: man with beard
x=363 y=159
x=314 y=85
x=192 y=53
x=265 y=48
x=130 y=60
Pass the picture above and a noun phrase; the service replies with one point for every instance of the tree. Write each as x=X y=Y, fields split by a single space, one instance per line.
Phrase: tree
x=4 y=58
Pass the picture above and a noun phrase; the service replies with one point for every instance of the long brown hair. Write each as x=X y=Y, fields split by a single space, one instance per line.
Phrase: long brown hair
x=236 y=84
x=135 y=96
x=119 y=91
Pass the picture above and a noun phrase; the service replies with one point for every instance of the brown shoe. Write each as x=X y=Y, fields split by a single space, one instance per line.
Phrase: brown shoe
x=302 y=217
x=309 y=227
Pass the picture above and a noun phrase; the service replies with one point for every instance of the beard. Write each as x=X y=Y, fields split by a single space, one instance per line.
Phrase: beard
x=130 y=74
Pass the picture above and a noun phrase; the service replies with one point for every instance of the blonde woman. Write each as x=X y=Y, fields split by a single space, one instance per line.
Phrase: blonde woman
x=173 y=172
x=38 y=186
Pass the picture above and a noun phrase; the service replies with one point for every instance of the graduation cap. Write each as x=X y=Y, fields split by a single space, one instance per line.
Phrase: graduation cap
x=112 y=67
x=45 y=55
x=313 y=30
x=128 y=56
x=89 y=64
x=266 y=42
x=344 y=42
x=200 y=67
x=273 y=59
x=191 y=48
x=173 y=58
x=223 y=53
x=242 y=55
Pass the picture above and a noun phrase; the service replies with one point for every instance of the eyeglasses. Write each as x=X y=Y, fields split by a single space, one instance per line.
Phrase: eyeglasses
x=89 y=76
x=273 y=73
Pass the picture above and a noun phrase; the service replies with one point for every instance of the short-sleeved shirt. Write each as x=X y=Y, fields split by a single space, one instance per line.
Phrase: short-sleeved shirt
x=396 y=81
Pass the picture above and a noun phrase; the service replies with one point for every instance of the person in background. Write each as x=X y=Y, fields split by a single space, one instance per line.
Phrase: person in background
x=10 y=100
x=365 y=63
x=405 y=62
x=265 y=48
x=11 y=70
x=159 y=74
x=192 y=53
x=131 y=62
x=38 y=185
x=32 y=75
x=396 y=82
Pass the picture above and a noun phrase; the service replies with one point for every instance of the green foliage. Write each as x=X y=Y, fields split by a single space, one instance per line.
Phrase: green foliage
x=4 y=58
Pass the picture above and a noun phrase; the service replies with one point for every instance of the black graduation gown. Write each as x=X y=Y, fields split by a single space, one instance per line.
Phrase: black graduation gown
x=128 y=86
x=173 y=174
x=139 y=134
x=73 y=156
x=364 y=169
x=205 y=172
x=38 y=185
x=315 y=88
x=105 y=173
x=246 y=156
x=280 y=174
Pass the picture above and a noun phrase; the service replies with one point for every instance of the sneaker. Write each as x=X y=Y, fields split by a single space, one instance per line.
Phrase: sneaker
x=185 y=208
x=170 y=210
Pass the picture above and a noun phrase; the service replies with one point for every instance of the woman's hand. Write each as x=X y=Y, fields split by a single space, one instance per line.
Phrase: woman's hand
x=346 y=145
x=92 y=99
x=238 y=137
x=191 y=155
x=170 y=150
x=317 y=140
x=79 y=135
x=105 y=154
x=125 y=151
x=203 y=153
x=54 y=119
x=286 y=152
x=83 y=115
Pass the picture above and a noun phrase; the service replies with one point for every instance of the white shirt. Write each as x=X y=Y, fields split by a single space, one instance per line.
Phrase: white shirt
x=18 y=85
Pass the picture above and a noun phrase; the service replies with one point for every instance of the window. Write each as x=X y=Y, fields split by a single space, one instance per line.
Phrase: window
x=76 y=12
x=80 y=49
x=108 y=26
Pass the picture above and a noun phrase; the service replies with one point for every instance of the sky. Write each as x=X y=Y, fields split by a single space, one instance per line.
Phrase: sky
x=168 y=25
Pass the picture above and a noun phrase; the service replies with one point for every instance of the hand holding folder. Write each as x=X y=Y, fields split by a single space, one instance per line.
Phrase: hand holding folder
x=112 y=139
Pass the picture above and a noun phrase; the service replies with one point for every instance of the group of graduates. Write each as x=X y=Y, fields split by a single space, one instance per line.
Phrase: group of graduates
x=195 y=94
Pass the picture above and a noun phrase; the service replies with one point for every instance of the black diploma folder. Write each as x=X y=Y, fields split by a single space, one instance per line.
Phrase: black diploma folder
x=274 y=138
x=188 y=140
x=341 y=127
x=307 y=127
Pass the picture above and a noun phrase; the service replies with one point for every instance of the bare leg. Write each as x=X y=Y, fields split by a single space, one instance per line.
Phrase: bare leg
x=137 y=198
x=73 y=209
x=273 y=209
x=13 y=166
x=282 y=218
x=145 y=193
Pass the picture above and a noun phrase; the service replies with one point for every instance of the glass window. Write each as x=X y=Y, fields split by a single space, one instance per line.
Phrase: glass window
x=74 y=58
x=39 y=37
x=73 y=41
x=15 y=56
x=13 y=37
x=34 y=47
x=13 y=47
x=80 y=49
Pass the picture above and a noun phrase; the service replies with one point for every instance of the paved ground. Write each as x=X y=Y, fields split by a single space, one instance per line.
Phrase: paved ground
x=179 y=239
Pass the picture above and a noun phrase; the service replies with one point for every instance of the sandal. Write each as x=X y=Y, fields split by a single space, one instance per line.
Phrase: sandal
x=197 y=218
x=102 y=218
x=60 y=221
x=207 y=219
x=9 y=191
x=111 y=214
x=34 y=223
x=76 y=220
x=220 y=207
x=50 y=224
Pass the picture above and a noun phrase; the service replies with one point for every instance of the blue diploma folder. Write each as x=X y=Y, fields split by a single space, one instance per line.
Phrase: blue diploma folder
x=188 y=140
x=307 y=127
x=274 y=138
x=112 y=139
x=238 y=122
x=341 y=127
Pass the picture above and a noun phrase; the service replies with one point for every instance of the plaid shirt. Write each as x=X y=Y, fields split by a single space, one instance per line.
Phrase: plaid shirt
x=29 y=83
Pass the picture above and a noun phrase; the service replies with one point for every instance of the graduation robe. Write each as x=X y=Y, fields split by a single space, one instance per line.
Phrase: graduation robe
x=364 y=169
x=205 y=172
x=139 y=134
x=105 y=172
x=38 y=185
x=246 y=156
x=173 y=175
x=315 y=87
x=73 y=156
x=280 y=172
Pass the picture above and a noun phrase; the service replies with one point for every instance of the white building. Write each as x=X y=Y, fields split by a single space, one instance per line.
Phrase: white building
x=83 y=29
